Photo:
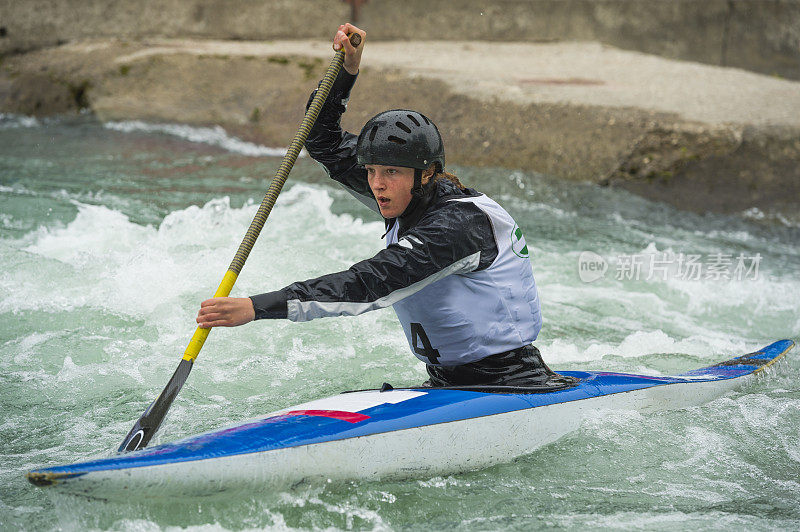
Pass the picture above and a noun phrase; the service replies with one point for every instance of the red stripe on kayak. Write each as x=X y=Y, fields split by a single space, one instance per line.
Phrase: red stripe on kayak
x=350 y=417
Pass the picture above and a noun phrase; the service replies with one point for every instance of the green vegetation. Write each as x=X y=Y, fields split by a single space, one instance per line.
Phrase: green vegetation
x=309 y=68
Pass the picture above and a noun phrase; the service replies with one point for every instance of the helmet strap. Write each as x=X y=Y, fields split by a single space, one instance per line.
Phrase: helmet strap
x=421 y=196
x=417 y=190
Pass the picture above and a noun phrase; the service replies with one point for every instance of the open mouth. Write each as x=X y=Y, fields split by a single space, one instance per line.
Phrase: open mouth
x=382 y=201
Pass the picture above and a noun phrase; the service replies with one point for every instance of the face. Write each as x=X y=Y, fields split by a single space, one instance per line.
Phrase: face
x=391 y=186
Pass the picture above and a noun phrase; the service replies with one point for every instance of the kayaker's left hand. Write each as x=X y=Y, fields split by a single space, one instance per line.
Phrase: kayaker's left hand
x=225 y=312
x=352 y=54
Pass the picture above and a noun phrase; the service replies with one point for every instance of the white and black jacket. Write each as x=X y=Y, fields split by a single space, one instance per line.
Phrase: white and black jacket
x=455 y=268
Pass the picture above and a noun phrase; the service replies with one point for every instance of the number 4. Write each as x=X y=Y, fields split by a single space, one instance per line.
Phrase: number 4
x=427 y=350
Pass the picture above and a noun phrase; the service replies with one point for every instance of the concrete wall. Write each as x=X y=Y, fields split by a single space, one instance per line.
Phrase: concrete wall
x=759 y=35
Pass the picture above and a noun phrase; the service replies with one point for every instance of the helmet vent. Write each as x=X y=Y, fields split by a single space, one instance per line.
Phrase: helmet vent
x=396 y=140
x=425 y=119
x=416 y=122
x=372 y=133
x=403 y=127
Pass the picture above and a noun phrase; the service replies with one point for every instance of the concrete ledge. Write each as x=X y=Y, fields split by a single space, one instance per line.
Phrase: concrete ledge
x=758 y=35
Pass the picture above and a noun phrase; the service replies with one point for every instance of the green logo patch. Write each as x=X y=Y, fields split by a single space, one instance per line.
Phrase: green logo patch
x=518 y=245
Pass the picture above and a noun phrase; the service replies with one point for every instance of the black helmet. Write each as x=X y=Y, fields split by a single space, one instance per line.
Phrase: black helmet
x=401 y=138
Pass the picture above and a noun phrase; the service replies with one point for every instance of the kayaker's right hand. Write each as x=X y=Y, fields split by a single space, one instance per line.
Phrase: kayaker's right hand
x=225 y=312
x=352 y=54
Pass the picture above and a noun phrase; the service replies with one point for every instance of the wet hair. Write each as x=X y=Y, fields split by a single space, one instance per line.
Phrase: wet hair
x=450 y=177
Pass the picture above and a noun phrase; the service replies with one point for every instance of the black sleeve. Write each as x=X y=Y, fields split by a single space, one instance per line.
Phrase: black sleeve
x=334 y=148
x=456 y=239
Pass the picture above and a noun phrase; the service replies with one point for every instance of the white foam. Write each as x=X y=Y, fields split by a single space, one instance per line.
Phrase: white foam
x=68 y=370
x=754 y=213
x=688 y=307
x=104 y=260
x=17 y=189
x=26 y=347
x=214 y=136
x=8 y=222
x=565 y=354
x=11 y=121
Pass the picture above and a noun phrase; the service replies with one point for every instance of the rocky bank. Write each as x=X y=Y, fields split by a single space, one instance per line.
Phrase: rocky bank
x=700 y=137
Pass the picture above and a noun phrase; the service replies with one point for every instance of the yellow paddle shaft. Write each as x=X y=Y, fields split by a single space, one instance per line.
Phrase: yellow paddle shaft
x=200 y=335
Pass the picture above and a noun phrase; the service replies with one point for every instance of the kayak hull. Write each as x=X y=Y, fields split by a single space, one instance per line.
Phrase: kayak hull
x=392 y=434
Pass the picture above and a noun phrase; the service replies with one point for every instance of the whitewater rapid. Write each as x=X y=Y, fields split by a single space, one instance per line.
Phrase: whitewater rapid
x=111 y=236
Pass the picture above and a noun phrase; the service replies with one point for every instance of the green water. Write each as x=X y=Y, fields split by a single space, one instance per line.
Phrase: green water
x=110 y=238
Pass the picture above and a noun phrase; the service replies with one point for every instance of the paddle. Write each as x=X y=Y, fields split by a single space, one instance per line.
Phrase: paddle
x=148 y=423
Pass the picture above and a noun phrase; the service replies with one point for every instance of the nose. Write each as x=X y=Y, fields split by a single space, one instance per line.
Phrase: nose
x=376 y=182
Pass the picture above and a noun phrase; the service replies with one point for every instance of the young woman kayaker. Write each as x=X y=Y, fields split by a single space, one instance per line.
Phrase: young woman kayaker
x=455 y=268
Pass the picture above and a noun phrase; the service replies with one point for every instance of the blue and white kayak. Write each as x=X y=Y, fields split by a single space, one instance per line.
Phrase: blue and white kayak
x=394 y=433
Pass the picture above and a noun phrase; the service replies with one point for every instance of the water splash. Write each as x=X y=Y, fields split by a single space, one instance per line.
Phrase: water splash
x=214 y=136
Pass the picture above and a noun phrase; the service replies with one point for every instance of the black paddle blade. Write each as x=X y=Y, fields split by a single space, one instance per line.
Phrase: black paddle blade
x=148 y=424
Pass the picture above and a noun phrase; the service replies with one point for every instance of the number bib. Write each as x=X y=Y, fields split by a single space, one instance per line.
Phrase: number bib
x=466 y=317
